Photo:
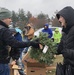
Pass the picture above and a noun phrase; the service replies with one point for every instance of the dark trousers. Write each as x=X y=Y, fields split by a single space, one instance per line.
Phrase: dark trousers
x=4 y=69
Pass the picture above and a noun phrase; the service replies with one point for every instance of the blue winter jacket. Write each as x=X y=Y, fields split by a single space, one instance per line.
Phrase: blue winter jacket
x=49 y=31
x=18 y=37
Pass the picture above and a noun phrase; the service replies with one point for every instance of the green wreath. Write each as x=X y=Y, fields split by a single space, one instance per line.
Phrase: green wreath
x=37 y=54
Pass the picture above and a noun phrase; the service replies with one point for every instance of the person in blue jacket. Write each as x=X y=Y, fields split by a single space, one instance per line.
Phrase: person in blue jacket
x=18 y=37
x=47 y=30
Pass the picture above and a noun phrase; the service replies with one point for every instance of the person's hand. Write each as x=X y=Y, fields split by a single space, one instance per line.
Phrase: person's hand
x=13 y=62
x=41 y=46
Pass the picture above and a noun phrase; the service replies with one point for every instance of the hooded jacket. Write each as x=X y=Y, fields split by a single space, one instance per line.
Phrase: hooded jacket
x=57 y=36
x=48 y=31
x=30 y=33
x=66 y=46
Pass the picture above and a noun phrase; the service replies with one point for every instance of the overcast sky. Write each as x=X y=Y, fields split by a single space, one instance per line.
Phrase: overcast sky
x=36 y=6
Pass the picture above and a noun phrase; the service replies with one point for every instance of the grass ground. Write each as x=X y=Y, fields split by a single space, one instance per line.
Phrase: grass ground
x=58 y=58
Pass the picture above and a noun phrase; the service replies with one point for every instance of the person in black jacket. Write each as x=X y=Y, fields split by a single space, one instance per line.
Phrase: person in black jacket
x=6 y=39
x=66 y=46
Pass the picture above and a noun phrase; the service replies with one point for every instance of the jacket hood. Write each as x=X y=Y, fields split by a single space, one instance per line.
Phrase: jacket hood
x=68 y=14
x=57 y=29
x=46 y=25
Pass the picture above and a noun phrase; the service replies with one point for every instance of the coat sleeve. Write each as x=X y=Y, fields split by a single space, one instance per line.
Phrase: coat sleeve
x=68 y=53
x=50 y=33
x=10 y=40
x=15 y=53
x=60 y=47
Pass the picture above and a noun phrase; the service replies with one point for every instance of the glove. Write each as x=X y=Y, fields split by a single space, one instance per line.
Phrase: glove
x=34 y=44
x=37 y=40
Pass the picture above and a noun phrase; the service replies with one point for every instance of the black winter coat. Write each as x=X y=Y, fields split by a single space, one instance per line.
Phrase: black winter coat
x=6 y=39
x=66 y=46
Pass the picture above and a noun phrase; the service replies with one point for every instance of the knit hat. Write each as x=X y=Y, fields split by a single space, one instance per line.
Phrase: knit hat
x=5 y=13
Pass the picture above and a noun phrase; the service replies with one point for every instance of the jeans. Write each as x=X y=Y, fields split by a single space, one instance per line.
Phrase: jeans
x=4 y=69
